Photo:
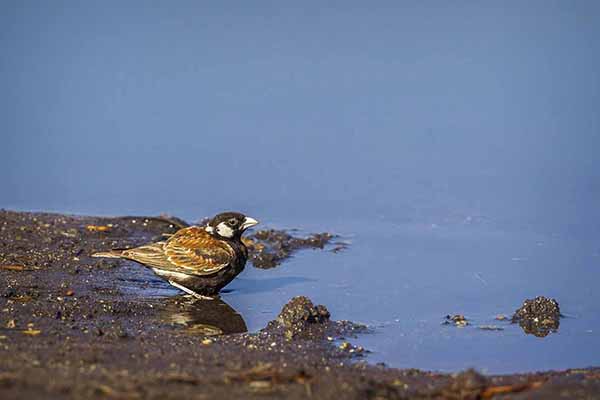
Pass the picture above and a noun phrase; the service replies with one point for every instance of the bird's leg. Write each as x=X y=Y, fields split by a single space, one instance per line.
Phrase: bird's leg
x=189 y=291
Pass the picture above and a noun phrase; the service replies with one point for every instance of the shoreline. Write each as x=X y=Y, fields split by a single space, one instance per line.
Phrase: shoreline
x=69 y=328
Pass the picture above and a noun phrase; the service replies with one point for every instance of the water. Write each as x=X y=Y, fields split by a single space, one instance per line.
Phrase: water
x=455 y=146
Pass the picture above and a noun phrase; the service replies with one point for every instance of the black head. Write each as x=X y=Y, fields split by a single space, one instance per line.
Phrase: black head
x=230 y=225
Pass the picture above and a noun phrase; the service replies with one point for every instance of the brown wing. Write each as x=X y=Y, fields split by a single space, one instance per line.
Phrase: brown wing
x=190 y=251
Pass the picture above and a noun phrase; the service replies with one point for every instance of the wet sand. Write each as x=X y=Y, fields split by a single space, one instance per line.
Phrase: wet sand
x=72 y=326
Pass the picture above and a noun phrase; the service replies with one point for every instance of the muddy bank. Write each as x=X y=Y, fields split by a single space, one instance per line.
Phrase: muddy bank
x=71 y=327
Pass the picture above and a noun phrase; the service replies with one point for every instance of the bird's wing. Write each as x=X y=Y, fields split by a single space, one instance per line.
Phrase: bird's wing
x=190 y=251
x=152 y=255
x=197 y=252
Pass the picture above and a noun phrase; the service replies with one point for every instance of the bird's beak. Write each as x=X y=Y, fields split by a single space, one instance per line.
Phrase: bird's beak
x=249 y=222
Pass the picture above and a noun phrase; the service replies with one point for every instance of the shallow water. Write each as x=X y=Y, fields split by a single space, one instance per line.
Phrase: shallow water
x=422 y=274
x=454 y=147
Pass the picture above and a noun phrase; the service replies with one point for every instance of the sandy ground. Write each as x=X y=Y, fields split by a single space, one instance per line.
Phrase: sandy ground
x=72 y=326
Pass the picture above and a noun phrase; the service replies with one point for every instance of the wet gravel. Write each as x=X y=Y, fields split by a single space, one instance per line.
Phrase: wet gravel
x=72 y=326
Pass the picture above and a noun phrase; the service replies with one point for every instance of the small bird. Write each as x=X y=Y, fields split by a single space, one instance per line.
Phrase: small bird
x=198 y=260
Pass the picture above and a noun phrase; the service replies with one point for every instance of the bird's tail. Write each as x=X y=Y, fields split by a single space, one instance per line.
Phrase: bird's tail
x=109 y=254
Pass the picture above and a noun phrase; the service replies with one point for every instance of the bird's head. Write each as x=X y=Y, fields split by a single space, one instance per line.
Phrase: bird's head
x=230 y=225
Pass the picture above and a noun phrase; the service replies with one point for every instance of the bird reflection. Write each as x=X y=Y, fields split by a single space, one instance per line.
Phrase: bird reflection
x=202 y=317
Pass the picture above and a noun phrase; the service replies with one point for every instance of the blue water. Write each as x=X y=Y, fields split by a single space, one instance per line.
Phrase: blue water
x=454 y=145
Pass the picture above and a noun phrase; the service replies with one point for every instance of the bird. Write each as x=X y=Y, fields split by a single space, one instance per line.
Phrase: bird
x=199 y=260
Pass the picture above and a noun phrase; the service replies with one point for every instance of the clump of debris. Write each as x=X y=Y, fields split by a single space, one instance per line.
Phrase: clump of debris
x=538 y=316
x=458 y=320
x=269 y=247
x=298 y=316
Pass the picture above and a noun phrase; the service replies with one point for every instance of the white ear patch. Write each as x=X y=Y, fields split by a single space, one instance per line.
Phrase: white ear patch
x=224 y=230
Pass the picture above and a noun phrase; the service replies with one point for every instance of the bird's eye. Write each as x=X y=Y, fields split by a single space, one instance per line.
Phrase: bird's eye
x=232 y=222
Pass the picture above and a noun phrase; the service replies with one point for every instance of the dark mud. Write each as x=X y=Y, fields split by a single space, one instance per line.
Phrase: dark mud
x=269 y=247
x=72 y=326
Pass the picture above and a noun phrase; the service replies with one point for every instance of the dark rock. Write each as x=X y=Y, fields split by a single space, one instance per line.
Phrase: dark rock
x=298 y=316
x=538 y=316
x=301 y=311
